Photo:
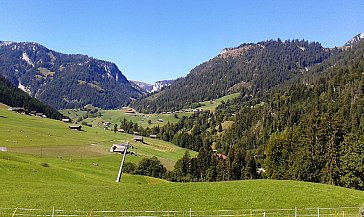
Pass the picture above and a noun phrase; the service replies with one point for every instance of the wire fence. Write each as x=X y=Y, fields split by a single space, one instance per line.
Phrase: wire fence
x=295 y=212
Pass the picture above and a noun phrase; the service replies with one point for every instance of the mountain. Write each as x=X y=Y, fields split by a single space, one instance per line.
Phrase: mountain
x=307 y=128
x=144 y=86
x=355 y=40
x=248 y=68
x=151 y=88
x=13 y=96
x=63 y=80
x=158 y=85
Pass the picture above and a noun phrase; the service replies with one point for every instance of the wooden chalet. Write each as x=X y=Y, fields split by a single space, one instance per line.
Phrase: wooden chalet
x=75 y=127
x=18 y=110
x=138 y=139
x=129 y=111
x=121 y=130
x=118 y=148
x=153 y=136
x=66 y=120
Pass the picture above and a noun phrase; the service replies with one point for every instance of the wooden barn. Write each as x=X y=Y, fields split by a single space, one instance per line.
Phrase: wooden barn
x=138 y=139
x=75 y=127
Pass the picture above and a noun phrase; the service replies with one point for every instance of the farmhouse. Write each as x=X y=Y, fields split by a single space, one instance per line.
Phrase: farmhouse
x=160 y=120
x=153 y=136
x=75 y=127
x=136 y=133
x=66 y=120
x=118 y=148
x=18 y=110
x=39 y=114
x=130 y=111
x=138 y=139
x=121 y=130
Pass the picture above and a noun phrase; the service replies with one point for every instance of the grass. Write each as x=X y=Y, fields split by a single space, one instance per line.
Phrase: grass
x=80 y=185
x=115 y=117
x=74 y=171
x=49 y=138
x=211 y=105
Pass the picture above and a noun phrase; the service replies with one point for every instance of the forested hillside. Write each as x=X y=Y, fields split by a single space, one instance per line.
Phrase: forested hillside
x=12 y=96
x=308 y=128
x=64 y=81
x=249 y=67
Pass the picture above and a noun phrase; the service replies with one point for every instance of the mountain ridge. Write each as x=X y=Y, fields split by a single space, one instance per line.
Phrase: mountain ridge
x=151 y=88
x=248 y=67
x=64 y=80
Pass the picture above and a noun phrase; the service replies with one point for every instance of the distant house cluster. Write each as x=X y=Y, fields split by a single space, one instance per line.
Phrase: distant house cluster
x=21 y=110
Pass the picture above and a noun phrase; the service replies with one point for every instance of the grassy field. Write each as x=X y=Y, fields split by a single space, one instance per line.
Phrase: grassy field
x=48 y=165
x=49 y=138
x=80 y=185
x=115 y=117
x=211 y=105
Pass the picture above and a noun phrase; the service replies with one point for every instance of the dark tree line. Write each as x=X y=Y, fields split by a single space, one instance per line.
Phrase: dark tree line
x=13 y=96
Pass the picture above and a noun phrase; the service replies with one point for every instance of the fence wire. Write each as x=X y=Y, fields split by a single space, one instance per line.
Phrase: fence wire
x=295 y=212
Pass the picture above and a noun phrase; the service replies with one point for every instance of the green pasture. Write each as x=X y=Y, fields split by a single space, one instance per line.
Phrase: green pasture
x=48 y=165
x=116 y=116
x=89 y=184
x=212 y=104
x=43 y=137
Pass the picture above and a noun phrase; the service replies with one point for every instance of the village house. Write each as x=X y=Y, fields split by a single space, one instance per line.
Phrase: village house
x=118 y=148
x=138 y=139
x=129 y=111
x=75 y=127
x=153 y=136
x=66 y=120
x=121 y=130
x=39 y=114
x=18 y=110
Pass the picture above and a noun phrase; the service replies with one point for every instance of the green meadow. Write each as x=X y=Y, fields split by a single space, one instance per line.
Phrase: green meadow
x=116 y=116
x=48 y=165
x=212 y=104
x=43 y=137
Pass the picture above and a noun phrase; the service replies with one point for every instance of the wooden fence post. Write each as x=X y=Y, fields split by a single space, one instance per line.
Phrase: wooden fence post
x=16 y=209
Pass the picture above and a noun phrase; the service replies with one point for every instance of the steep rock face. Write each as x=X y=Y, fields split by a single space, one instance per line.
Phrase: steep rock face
x=62 y=80
x=151 y=88
x=143 y=86
x=248 y=68
x=158 y=85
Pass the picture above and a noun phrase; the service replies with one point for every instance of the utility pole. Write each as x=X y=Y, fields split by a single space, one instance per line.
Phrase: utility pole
x=122 y=163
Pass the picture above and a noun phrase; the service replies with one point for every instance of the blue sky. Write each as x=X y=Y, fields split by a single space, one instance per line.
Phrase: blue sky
x=152 y=40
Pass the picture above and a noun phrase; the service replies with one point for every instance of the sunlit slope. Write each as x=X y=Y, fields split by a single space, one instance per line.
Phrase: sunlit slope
x=49 y=138
x=88 y=184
